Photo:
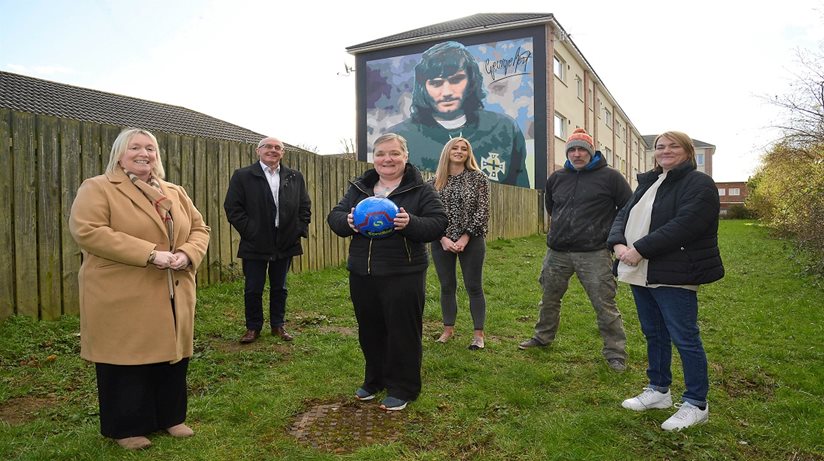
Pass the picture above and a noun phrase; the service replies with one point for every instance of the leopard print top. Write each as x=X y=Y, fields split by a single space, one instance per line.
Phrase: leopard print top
x=466 y=198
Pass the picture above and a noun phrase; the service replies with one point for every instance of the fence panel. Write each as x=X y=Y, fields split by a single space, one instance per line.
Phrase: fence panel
x=233 y=263
x=70 y=176
x=200 y=197
x=44 y=159
x=7 y=276
x=25 y=213
x=213 y=208
x=221 y=234
x=49 y=259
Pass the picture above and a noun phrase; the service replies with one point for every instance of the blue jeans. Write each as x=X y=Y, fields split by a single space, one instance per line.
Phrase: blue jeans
x=255 y=273
x=668 y=316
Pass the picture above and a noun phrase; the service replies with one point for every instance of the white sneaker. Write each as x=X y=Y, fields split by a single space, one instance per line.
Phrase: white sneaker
x=686 y=416
x=648 y=399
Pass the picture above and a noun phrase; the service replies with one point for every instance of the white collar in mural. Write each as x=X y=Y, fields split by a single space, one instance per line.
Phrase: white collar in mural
x=453 y=124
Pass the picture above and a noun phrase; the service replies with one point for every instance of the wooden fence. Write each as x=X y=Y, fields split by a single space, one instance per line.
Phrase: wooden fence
x=44 y=159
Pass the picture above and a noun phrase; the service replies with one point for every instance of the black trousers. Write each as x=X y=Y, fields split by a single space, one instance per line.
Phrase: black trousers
x=140 y=399
x=389 y=311
x=255 y=271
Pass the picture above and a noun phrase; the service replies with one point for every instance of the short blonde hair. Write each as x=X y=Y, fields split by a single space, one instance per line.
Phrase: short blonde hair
x=442 y=173
x=683 y=140
x=122 y=142
x=386 y=137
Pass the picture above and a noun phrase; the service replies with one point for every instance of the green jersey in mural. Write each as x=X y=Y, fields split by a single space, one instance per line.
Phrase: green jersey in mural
x=497 y=142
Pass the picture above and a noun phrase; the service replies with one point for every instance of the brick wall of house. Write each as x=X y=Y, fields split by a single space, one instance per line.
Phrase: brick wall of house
x=731 y=193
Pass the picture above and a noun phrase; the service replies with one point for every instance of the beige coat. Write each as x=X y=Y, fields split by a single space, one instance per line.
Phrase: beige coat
x=126 y=316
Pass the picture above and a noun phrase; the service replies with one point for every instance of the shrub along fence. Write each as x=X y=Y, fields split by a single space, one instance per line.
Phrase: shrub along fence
x=44 y=159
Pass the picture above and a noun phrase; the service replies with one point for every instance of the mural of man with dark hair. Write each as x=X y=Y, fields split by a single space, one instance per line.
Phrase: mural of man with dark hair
x=447 y=102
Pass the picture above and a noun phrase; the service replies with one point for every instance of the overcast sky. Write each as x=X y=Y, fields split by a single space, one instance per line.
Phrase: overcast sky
x=702 y=67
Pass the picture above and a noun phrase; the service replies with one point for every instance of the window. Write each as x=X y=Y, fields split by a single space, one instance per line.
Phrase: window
x=699 y=159
x=579 y=84
x=735 y=191
x=560 y=126
x=608 y=117
x=620 y=128
x=608 y=155
x=559 y=67
x=722 y=192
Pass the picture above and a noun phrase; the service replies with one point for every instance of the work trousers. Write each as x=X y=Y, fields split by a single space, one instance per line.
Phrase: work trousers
x=594 y=270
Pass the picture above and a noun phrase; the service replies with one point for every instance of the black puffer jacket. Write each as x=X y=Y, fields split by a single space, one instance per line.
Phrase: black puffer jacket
x=403 y=252
x=682 y=244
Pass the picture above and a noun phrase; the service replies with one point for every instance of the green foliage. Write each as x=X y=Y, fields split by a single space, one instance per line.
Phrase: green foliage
x=738 y=212
x=762 y=327
x=787 y=194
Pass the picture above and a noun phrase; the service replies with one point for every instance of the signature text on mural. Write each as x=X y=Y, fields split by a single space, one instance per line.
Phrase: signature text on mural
x=509 y=66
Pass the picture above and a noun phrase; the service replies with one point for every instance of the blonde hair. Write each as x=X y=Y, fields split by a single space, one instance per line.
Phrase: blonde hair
x=442 y=173
x=122 y=142
x=386 y=137
x=683 y=140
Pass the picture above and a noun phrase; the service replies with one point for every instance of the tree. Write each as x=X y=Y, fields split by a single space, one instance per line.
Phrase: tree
x=787 y=194
x=308 y=147
x=804 y=105
x=348 y=149
x=787 y=191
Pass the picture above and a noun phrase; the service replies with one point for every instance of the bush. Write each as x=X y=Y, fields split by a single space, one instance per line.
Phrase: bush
x=738 y=212
x=787 y=194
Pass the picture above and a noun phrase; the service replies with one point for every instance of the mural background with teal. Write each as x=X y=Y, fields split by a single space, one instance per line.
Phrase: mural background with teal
x=508 y=70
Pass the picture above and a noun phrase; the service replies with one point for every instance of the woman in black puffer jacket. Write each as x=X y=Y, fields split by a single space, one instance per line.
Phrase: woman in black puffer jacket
x=666 y=244
x=387 y=277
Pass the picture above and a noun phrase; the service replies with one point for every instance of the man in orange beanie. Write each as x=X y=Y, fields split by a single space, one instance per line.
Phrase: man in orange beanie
x=582 y=199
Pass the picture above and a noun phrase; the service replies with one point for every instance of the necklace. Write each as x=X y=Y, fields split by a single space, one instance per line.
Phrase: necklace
x=382 y=190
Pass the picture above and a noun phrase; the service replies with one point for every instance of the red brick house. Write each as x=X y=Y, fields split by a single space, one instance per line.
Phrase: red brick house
x=731 y=193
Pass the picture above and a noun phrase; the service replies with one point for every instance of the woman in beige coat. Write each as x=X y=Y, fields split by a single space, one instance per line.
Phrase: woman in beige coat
x=142 y=240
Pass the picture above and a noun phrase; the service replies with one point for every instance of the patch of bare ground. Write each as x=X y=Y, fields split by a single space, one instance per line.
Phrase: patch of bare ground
x=21 y=410
x=264 y=343
x=740 y=383
x=343 y=331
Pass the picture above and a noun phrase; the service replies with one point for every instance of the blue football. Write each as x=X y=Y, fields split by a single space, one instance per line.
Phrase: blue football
x=374 y=217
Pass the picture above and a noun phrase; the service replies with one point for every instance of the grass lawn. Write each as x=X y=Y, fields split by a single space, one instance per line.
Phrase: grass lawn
x=762 y=326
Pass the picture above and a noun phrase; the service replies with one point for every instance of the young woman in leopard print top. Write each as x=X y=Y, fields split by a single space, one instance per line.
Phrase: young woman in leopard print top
x=464 y=191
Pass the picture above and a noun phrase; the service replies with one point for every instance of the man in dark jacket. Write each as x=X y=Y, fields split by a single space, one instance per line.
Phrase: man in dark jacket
x=269 y=206
x=582 y=200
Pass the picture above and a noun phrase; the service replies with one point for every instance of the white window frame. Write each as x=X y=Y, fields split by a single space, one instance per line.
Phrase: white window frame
x=560 y=126
x=722 y=192
x=734 y=191
x=579 y=84
x=559 y=67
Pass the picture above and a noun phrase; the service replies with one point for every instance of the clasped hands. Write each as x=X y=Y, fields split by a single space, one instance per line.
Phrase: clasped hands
x=454 y=246
x=168 y=260
x=627 y=255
